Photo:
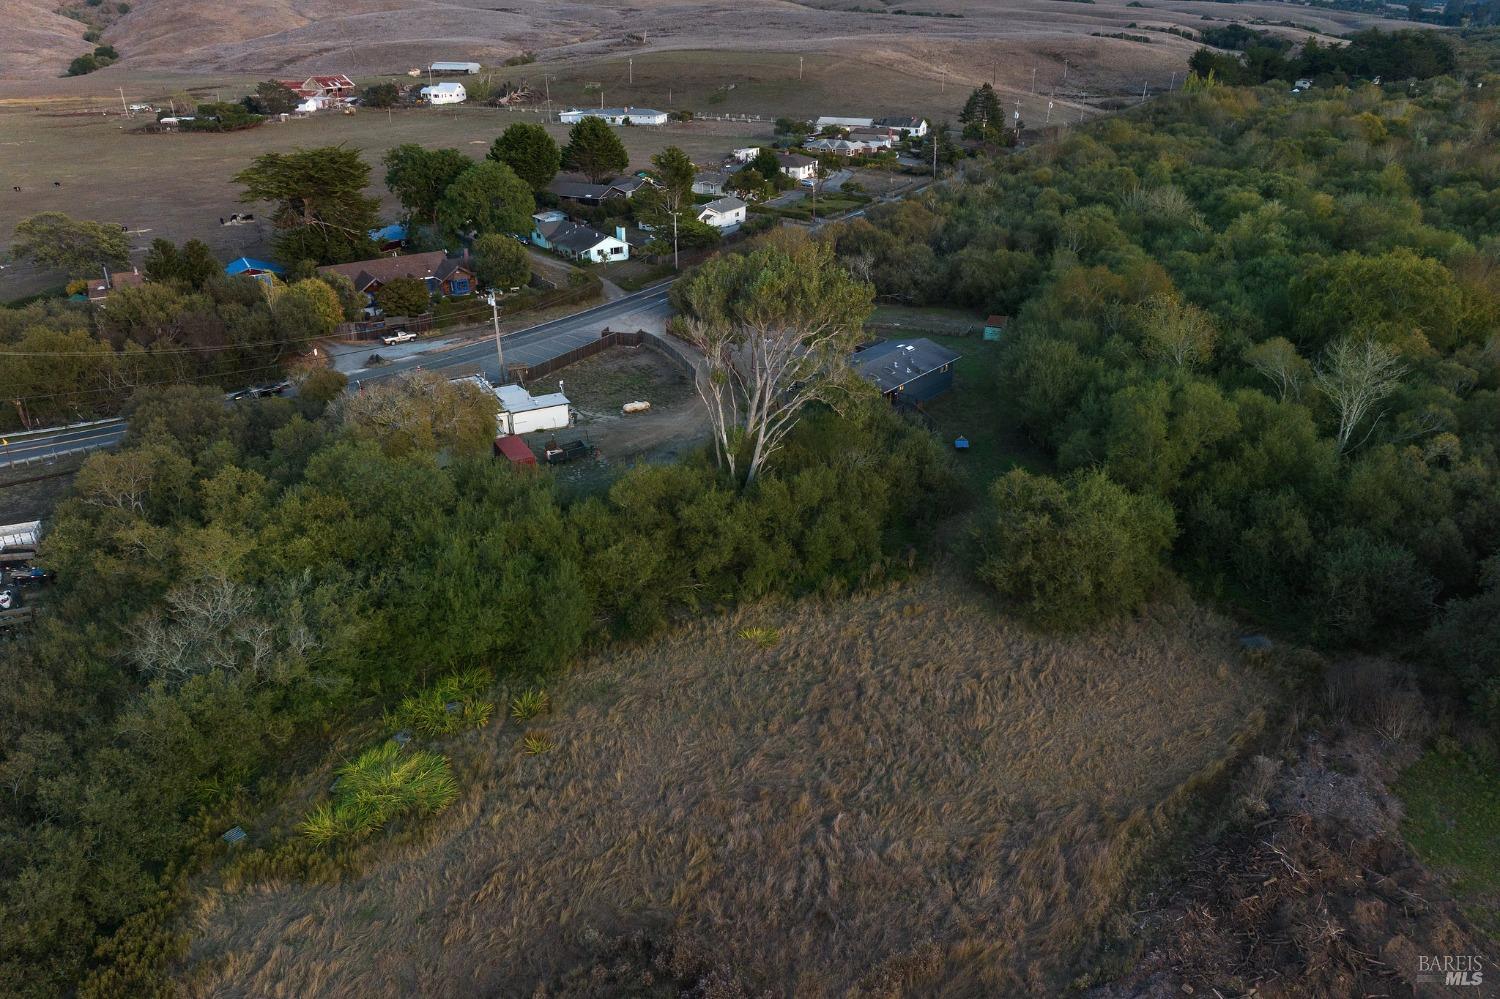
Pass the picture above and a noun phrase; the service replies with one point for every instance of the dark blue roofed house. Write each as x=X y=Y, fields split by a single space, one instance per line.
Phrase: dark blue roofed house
x=907 y=372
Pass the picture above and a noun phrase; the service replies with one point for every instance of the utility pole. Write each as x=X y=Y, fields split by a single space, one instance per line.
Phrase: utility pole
x=674 y=239
x=1065 y=72
x=631 y=64
x=1173 y=85
x=1033 y=79
x=799 y=67
x=123 y=106
x=499 y=350
x=1143 y=90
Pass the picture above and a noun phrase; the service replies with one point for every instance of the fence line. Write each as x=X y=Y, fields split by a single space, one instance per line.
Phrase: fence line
x=529 y=374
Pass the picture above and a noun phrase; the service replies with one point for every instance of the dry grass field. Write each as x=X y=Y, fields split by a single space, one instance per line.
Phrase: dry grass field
x=378 y=36
x=898 y=793
x=180 y=185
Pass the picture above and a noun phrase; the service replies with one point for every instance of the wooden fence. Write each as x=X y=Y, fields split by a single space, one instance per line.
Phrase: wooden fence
x=672 y=350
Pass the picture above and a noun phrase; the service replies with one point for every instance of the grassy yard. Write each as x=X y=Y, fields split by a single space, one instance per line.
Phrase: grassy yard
x=976 y=410
x=1453 y=824
x=827 y=205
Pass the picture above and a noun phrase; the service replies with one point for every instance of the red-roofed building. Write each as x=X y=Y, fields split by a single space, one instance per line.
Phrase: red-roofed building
x=322 y=91
x=100 y=288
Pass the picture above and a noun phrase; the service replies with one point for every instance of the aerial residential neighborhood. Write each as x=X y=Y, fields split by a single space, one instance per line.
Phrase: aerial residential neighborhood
x=740 y=501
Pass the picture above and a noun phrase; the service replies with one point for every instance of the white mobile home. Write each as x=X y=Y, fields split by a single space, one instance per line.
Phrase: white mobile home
x=615 y=116
x=445 y=93
x=469 y=68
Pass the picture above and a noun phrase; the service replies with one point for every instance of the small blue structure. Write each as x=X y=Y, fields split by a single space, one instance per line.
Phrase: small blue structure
x=961 y=444
x=263 y=271
x=994 y=326
x=909 y=372
x=233 y=836
x=390 y=237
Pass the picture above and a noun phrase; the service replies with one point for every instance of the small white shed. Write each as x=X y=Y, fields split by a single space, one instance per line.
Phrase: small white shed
x=522 y=413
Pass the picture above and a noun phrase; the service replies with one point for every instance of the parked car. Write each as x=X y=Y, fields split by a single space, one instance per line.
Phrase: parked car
x=271 y=388
x=402 y=336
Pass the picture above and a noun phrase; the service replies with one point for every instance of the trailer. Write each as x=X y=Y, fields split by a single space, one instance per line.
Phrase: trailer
x=467 y=68
x=514 y=449
x=20 y=535
x=560 y=454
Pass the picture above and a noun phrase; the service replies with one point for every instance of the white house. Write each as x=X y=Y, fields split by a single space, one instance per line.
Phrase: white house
x=469 y=68
x=744 y=154
x=797 y=167
x=554 y=231
x=445 y=93
x=723 y=213
x=907 y=125
x=828 y=121
x=615 y=116
x=523 y=413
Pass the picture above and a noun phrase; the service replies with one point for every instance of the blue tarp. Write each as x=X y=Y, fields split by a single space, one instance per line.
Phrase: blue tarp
x=244 y=265
x=393 y=233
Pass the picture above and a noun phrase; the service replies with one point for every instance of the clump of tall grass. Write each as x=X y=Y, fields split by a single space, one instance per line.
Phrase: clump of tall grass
x=448 y=706
x=382 y=784
x=536 y=743
x=764 y=637
x=530 y=704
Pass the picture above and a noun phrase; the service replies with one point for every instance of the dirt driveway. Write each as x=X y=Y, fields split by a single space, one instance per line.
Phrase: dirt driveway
x=599 y=387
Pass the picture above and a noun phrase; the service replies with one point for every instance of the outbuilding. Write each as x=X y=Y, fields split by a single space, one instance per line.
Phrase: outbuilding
x=524 y=413
x=907 y=372
x=263 y=271
x=469 y=68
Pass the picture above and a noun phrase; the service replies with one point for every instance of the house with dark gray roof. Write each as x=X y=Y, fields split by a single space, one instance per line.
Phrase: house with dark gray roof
x=556 y=232
x=909 y=372
x=580 y=190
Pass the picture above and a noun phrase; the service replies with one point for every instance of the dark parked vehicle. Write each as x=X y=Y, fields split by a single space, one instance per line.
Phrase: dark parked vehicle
x=557 y=454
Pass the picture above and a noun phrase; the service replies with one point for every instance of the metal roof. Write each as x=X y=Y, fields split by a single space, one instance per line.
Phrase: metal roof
x=893 y=363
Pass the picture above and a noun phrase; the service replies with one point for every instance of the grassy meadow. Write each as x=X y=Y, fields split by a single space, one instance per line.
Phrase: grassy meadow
x=894 y=791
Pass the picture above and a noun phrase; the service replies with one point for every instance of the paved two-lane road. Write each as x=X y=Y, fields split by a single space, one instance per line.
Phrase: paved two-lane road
x=39 y=447
x=647 y=310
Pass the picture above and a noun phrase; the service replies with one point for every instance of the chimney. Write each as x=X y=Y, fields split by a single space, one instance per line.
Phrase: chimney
x=620 y=234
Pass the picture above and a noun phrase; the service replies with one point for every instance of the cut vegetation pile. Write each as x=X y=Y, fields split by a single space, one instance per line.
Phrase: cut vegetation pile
x=897 y=791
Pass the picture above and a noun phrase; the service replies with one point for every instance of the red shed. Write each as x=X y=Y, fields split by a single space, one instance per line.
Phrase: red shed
x=515 y=449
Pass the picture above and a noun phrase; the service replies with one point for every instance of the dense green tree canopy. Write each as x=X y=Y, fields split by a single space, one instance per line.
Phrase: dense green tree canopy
x=500 y=262
x=527 y=149
x=487 y=197
x=80 y=248
x=594 y=150
x=405 y=296
x=419 y=177
x=320 y=211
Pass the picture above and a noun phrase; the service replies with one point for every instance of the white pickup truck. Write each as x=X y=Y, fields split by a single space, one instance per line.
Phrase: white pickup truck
x=402 y=337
